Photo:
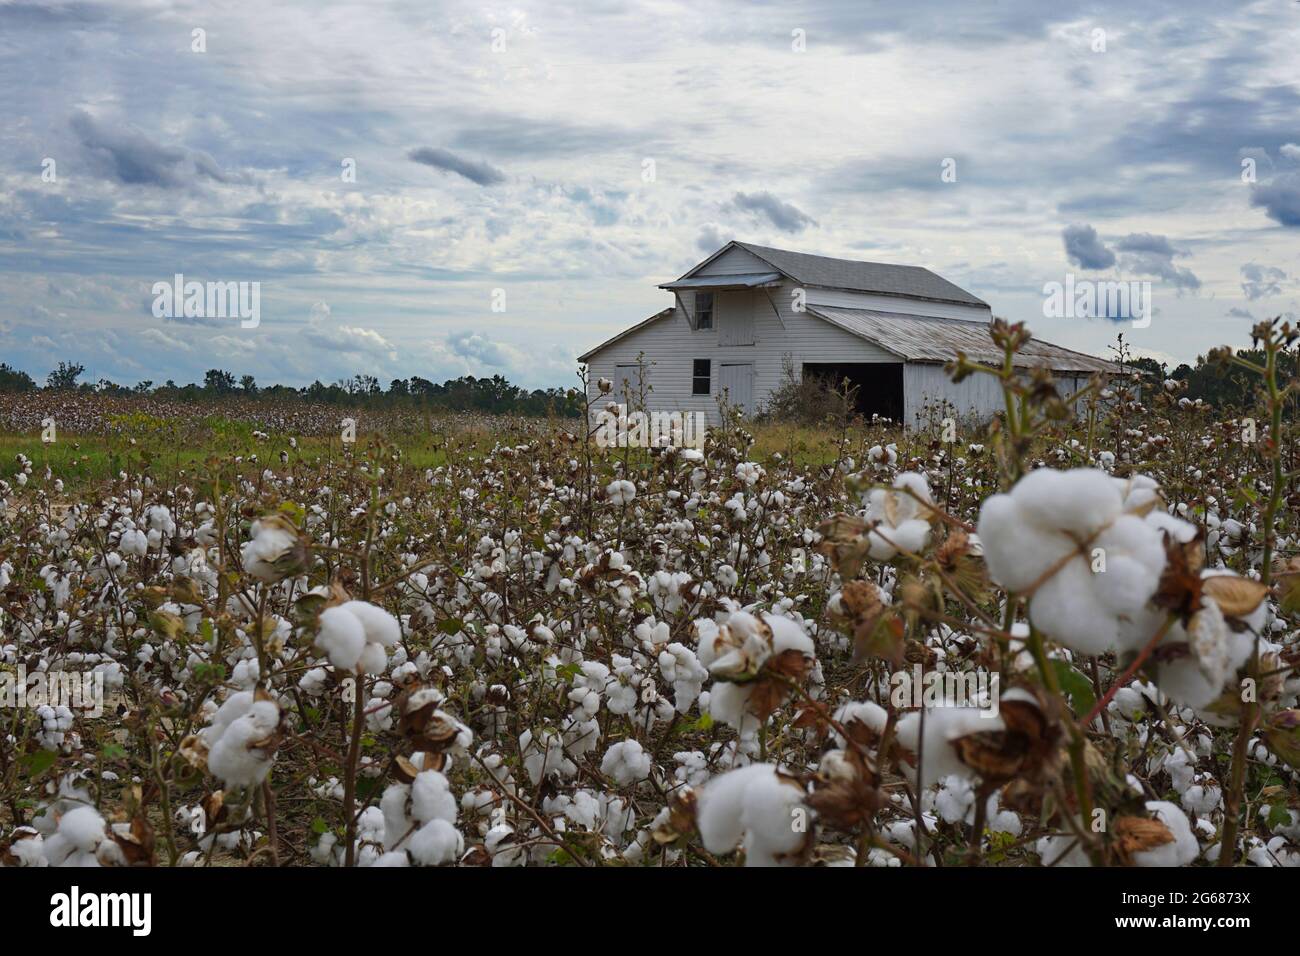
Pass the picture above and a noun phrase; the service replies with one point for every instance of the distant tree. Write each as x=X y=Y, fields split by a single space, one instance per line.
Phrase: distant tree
x=12 y=380
x=64 y=378
x=398 y=388
x=218 y=382
x=248 y=384
x=142 y=388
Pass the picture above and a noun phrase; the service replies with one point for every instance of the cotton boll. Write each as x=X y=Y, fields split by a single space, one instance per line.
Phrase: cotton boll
x=431 y=798
x=133 y=542
x=620 y=492
x=1182 y=850
x=756 y=805
x=1061 y=851
x=269 y=554
x=76 y=839
x=380 y=626
x=901 y=522
x=727 y=703
x=1104 y=564
x=240 y=740
x=437 y=843
x=27 y=847
x=374 y=659
x=871 y=715
x=82 y=827
x=1202 y=798
x=342 y=637
x=626 y=762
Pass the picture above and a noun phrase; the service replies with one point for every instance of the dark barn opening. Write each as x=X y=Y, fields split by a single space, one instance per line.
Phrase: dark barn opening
x=879 y=384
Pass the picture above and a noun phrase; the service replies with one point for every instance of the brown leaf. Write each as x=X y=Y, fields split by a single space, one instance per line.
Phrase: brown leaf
x=1135 y=834
x=1236 y=597
x=138 y=845
x=1025 y=748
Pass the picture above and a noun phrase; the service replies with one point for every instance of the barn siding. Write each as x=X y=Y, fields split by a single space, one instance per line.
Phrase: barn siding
x=733 y=262
x=979 y=395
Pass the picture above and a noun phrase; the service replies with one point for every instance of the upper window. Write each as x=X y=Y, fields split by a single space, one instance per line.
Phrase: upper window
x=703 y=310
x=700 y=377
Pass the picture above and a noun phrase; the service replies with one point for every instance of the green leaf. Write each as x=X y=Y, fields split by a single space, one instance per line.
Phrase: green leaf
x=451 y=625
x=319 y=825
x=1278 y=815
x=1075 y=686
x=112 y=751
x=39 y=762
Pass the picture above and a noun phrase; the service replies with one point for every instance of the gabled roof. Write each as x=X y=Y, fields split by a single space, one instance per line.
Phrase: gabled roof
x=855 y=276
x=626 y=332
x=919 y=338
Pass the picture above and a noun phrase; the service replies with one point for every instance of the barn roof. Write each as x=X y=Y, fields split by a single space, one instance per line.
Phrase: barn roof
x=879 y=277
x=626 y=332
x=919 y=338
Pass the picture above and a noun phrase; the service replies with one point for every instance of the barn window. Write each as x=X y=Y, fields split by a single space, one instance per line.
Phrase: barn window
x=703 y=310
x=700 y=377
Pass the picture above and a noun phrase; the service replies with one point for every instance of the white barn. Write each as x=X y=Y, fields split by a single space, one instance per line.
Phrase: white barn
x=746 y=311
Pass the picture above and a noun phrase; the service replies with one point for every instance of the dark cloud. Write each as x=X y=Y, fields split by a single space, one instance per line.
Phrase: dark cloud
x=482 y=173
x=1238 y=313
x=1084 y=249
x=1280 y=198
x=710 y=239
x=1148 y=254
x=1141 y=253
x=131 y=158
x=1260 y=282
x=1146 y=242
x=1161 y=266
x=783 y=215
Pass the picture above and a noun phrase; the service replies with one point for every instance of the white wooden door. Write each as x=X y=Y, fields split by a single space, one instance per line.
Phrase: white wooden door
x=737 y=380
x=735 y=318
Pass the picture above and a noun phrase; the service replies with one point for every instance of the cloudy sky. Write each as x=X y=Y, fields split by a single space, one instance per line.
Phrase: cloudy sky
x=573 y=156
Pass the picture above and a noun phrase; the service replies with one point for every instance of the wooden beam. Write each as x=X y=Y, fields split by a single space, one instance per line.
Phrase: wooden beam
x=682 y=305
x=774 y=308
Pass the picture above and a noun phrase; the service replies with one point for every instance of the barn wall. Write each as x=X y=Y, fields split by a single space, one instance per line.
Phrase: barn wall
x=978 y=396
x=672 y=346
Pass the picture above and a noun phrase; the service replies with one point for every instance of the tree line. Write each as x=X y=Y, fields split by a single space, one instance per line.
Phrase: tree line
x=467 y=393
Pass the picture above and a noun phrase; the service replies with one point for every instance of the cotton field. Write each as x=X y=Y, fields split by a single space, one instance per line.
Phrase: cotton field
x=1065 y=638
